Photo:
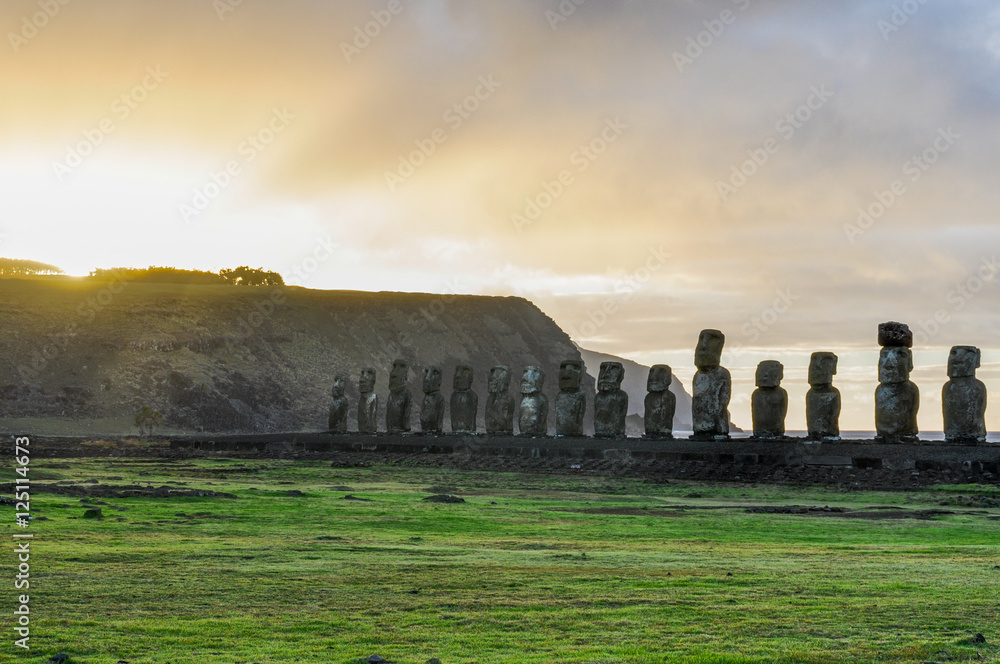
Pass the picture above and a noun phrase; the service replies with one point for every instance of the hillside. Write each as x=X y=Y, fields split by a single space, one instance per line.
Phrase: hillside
x=226 y=358
x=635 y=386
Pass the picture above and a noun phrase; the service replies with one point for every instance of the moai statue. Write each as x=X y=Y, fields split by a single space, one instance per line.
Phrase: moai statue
x=823 y=399
x=660 y=403
x=337 y=421
x=397 y=408
x=964 y=398
x=464 y=402
x=368 y=403
x=769 y=402
x=711 y=389
x=432 y=409
x=611 y=402
x=896 y=397
x=534 y=416
x=499 y=403
x=571 y=402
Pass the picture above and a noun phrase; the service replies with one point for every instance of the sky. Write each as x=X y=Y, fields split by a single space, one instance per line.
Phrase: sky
x=791 y=173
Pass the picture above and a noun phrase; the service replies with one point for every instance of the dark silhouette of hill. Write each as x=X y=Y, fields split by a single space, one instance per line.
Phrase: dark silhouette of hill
x=219 y=358
x=635 y=386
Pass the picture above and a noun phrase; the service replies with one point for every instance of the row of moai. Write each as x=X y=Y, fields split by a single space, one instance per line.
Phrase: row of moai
x=896 y=398
x=610 y=404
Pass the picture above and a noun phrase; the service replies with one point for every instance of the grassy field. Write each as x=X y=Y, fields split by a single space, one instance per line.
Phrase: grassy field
x=530 y=569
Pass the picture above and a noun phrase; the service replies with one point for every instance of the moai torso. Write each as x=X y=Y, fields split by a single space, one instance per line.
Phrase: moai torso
x=660 y=404
x=896 y=411
x=534 y=416
x=823 y=399
x=464 y=402
x=397 y=408
x=711 y=392
x=711 y=389
x=963 y=398
x=499 y=403
x=337 y=420
x=368 y=403
x=769 y=402
x=611 y=402
x=432 y=408
x=896 y=398
x=571 y=402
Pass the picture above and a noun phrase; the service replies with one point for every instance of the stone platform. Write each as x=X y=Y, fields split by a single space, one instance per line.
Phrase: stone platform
x=793 y=452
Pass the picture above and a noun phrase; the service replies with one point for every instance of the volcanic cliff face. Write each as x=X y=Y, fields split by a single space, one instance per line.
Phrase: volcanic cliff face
x=226 y=358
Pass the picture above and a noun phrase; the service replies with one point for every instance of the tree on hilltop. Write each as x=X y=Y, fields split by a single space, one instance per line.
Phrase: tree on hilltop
x=241 y=276
x=158 y=275
x=19 y=267
x=247 y=276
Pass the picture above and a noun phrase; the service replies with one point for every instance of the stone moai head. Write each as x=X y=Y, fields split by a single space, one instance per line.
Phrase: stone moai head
x=463 y=378
x=532 y=380
x=895 y=334
x=963 y=361
x=770 y=373
x=399 y=375
x=339 y=385
x=570 y=374
x=822 y=368
x=366 y=383
x=660 y=377
x=708 y=353
x=499 y=379
x=611 y=376
x=895 y=364
x=432 y=380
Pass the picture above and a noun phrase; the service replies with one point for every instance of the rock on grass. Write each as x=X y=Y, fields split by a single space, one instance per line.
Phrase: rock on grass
x=444 y=498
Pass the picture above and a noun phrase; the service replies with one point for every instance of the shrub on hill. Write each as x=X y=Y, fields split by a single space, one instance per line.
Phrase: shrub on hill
x=241 y=276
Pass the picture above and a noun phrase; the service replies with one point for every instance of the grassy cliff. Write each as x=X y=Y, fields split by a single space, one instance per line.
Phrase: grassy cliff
x=84 y=356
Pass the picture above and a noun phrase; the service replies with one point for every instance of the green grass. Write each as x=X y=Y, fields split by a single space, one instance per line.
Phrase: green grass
x=560 y=569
